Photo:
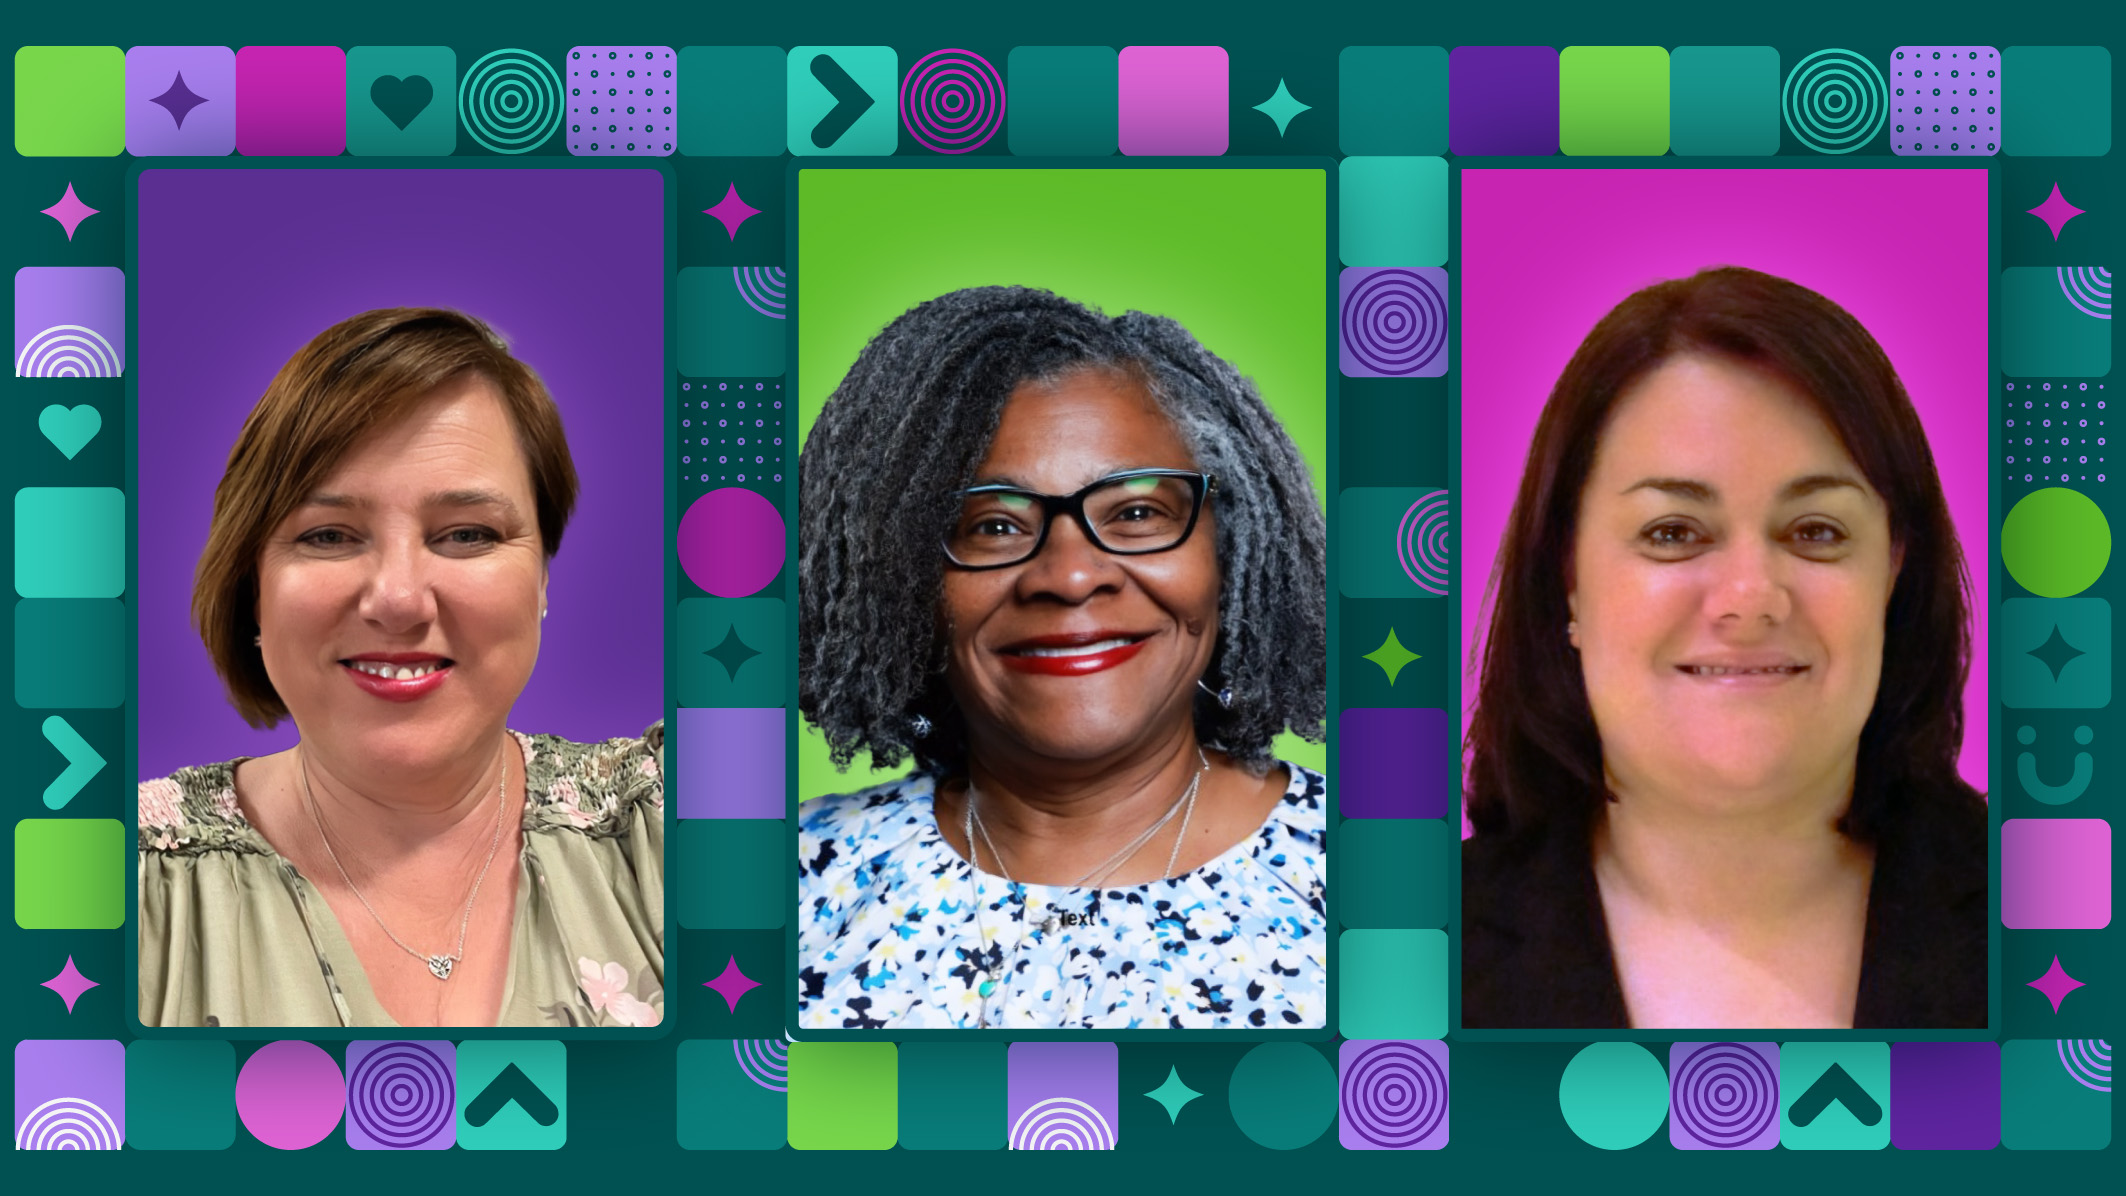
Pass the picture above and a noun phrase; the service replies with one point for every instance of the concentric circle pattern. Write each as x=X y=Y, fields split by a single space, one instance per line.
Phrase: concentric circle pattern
x=952 y=101
x=1835 y=101
x=764 y=288
x=1394 y=1095
x=511 y=101
x=1725 y=1095
x=67 y=351
x=2088 y=288
x=1421 y=542
x=67 y=1123
x=401 y=1095
x=765 y=1061
x=1394 y=322
x=1062 y=1123
x=2088 y=1060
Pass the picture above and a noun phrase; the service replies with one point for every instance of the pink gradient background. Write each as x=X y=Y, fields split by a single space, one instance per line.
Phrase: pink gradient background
x=1172 y=100
x=1547 y=253
x=2055 y=874
x=291 y=100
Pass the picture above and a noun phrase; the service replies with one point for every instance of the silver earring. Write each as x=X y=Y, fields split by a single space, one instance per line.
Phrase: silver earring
x=1223 y=694
x=259 y=640
x=542 y=612
x=919 y=727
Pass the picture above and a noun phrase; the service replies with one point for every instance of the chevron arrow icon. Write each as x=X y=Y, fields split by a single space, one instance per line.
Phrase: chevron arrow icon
x=82 y=762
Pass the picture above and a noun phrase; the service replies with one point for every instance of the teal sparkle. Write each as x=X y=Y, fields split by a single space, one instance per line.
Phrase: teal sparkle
x=1282 y=107
x=1173 y=1094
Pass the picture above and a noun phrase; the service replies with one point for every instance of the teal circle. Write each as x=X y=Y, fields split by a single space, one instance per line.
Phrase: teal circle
x=1283 y=1095
x=2055 y=542
x=1614 y=1095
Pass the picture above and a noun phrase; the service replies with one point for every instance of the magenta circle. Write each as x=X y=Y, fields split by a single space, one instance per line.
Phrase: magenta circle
x=731 y=542
x=290 y=1094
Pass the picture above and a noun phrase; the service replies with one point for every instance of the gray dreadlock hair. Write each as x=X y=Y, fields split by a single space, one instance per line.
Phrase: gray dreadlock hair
x=905 y=431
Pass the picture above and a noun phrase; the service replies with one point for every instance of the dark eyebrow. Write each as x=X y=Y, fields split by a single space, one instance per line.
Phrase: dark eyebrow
x=1682 y=488
x=441 y=498
x=1694 y=491
x=1817 y=482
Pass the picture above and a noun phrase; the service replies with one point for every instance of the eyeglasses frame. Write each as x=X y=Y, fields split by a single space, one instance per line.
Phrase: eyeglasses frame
x=1204 y=486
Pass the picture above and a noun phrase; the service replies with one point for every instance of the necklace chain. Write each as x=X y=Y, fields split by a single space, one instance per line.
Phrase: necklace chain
x=973 y=826
x=439 y=965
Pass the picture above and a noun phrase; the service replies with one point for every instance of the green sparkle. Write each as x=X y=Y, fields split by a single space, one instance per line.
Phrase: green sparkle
x=1173 y=1094
x=1281 y=107
x=1391 y=656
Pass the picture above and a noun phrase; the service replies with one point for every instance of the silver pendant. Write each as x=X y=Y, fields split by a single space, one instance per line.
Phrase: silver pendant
x=441 y=965
x=1051 y=925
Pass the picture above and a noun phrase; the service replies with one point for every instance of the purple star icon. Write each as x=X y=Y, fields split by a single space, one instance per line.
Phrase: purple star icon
x=179 y=100
x=2055 y=983
x=69 y=984
x=70 y=211
x=732 y=985
x=2055 y=211
x=732 y=210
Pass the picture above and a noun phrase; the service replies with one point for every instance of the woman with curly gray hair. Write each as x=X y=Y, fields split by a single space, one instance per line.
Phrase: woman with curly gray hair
x=1074 y=566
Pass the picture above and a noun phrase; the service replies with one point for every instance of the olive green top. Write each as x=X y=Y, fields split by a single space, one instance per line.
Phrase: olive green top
x=232 y=935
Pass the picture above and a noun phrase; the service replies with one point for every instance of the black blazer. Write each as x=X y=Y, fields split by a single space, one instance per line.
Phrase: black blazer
x=1536 y=954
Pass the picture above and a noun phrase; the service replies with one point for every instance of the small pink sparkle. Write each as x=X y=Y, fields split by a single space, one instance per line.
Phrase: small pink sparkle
x=2055 y=984
x=70 y=211
x=732 y=210
x=732 y=985
x=2055 y=211
x=69 y=984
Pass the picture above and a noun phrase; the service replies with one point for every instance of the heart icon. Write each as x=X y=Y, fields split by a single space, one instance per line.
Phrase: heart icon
x=401 y=99
x=70 y=430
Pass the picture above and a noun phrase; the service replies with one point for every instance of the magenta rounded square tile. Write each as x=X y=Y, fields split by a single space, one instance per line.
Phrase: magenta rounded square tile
x=1391 y=322
x=623 y=101
x=69 y=322
x=1502 y=100
x=1723 y=1095
x=69 y=1094
x=1172 y=100
x=1394 y=762
x=1945 y=101
x=1062 y=1095
x=2055 y=874
x=402 y=1095
x=291 y=100
x=1392 y=1095
x=180 y=101
x=1945 y=1095
x=731 y=762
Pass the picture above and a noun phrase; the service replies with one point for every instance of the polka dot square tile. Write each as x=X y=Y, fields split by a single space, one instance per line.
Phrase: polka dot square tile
x=1723 y=101
x=181 y=1095
x=1391 y=984
x=1837 y=1095
x=70 y=1094
x=511 y=1095
x=1063 y=100
x=2056 y=1094
x=2055 y=652
x=2055 y=321
x=2058 y=101
x=731 y=762
x=1172 y=100
x=1613 y=100
x=1392 y=211
x=1392 y=323
x=1394 y=763
x=952 y=1095
x=1062 y=1095
x=1397 y=541
x=841 y=100
x=291 y=100
x=69 y=101
x=1723 y=1095
x=70 y=873
x=180 y=101
x=732 y=321
x=69 y=322
x=401 y=1095
x=402 y=100
x=730 y=101
x=1392 y=1095
x=1945 y=101
x=2055 y=874
x=734 y=1093
x=1392 y=100
x=1503 y=100
x=622 y=101
x=1945 y=1095
x=844 y=1095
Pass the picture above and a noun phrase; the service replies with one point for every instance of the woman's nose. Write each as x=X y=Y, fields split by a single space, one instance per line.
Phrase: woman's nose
x=1750 y=587
x=399 y=595
x=1069 y=566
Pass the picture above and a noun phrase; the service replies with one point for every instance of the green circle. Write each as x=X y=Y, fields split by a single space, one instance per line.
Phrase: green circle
x=2056 y=542
x=1283 y=1095
x=1614 y=1095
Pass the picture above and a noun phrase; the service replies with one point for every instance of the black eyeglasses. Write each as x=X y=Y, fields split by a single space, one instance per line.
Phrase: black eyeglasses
x=1129 y=514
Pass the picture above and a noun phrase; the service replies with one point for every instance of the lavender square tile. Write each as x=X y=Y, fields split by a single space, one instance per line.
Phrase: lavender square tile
x=623 y=101
x=1723 y=1095
x=731 y=762
x=69 y=1094
x=1063 y=1095
x=180 y=100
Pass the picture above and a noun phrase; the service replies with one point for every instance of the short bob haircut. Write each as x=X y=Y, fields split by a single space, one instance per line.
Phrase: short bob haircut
x=906 y=430
x=353 y=379
x=1535 y=757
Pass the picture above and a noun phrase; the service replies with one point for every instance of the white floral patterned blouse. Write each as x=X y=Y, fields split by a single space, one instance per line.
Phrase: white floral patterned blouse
x=232 y=935
x=898 y=931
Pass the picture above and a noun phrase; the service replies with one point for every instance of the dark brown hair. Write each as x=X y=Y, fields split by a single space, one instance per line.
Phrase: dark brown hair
x=1535 y=760
x=353 y=379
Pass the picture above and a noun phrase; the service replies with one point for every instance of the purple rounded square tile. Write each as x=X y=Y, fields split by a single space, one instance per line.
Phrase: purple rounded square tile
x=180 y=101
x=1062 y=1095
x=1392 y=1095
x=1394 y=762
x=1945 y=1095
x=623 y=101
x=1723 y=1095
x=69 y=1094
x=1392 y=322
x=1945 y=101
x=402 y=1095
x=1502 y=100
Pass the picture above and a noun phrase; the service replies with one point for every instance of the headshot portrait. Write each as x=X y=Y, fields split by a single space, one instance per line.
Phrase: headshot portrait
x=1065 y=566
x=1722 y=766
x=361 y=804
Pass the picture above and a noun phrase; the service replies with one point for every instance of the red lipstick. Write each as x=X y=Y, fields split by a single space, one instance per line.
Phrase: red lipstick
x=1075 y=654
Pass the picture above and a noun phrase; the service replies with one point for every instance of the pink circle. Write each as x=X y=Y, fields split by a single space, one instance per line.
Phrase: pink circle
x=731 y=542
x=290 y=1094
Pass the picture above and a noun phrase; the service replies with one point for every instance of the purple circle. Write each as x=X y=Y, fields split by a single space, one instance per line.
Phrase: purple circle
x=290 y=1094
x=731 y=542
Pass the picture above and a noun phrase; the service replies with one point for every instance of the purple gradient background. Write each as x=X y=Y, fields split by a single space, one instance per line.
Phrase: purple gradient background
x=240 y=268
x=1547 y=253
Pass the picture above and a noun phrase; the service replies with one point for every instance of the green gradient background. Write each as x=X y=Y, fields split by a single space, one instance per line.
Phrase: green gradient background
x=1237 y=256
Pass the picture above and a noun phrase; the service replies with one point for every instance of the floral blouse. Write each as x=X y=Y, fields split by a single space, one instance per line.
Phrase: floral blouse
x=898 y=931
x=232 y=935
